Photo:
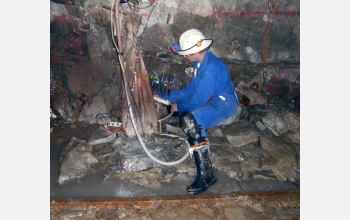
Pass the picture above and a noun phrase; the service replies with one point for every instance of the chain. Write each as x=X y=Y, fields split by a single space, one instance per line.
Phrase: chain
x=265 y=51
x=272 y=6
x=266 y=40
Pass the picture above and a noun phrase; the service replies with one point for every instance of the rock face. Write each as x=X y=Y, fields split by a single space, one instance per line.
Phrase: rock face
x=83 y=59
x=279 y=121
x=76 y=159
x=243 y=138
x=102 y=136
x=282 y=157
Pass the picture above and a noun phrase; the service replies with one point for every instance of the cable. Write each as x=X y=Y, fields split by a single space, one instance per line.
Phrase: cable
x=160 y=122
x=129 y=104
x=165 y=117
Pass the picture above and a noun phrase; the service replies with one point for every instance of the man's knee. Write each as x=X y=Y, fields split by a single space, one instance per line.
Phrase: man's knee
x=190 y=126
x=187 y=120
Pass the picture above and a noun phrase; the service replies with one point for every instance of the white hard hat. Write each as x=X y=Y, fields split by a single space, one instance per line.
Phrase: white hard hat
x=193 y=41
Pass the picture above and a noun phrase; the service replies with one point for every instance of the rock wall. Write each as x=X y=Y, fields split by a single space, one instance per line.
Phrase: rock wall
x=83 y=59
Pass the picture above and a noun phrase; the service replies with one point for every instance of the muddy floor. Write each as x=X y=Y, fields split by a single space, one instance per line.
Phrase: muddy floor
x=92 y=184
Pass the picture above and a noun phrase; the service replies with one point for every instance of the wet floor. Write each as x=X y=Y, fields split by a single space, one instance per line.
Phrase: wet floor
x=92 y=184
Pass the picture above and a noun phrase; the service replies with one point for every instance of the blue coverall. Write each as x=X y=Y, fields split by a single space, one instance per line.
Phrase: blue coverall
x=210 y=80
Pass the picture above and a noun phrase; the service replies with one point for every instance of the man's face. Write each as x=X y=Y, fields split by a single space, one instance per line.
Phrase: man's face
x=192 y=57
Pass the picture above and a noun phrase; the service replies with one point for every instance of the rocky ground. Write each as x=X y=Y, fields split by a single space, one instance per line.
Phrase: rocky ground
x=259 y=152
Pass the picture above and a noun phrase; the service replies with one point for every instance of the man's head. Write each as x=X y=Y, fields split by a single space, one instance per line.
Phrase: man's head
x=193 y=41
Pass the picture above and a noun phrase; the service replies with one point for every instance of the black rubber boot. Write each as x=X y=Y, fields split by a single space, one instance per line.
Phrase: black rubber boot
x=205 y=176
x=189 y=125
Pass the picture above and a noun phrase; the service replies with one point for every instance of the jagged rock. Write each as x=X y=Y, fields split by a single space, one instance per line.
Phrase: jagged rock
x=252 y=150
x=281 y=156
x=101 y=136
x=275 y=123
x=171 y=172
x=243 y=138
x=250 y=164
x=293 y=121
x=258 y=176
x=227 y=165
x=101 y=151
x=215 y=132
x=242 y=113
x=103 y=119
x=232 y=173
x=75 y=160
x=181 y=168
x=219 y=153
x=293 y=136
x=225 y=160
x=118 y=141
x=281 y=120
x=151 y=178
x=134 y=157
x=174 y=130
x=104 y=101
